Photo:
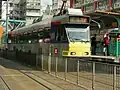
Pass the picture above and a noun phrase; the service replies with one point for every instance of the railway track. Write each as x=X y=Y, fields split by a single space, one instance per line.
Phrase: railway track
x=35 y=79
x=71 y=75
x=58 y=85
x=84 y=78
x=99 y=79
x=98 y=82
x=11 y=78
x=7 y=87
x=4 y=84
x=88 y=78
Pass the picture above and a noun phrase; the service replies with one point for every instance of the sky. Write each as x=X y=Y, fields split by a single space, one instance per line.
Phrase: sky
x=44 y=3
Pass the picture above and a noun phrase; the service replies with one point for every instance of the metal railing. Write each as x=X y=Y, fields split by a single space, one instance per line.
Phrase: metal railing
x=90 y=75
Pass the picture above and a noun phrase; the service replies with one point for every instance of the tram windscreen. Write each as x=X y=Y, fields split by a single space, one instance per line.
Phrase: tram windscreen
x=78 y=33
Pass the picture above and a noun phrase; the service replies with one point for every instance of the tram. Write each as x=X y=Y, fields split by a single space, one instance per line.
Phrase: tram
x=64 y=35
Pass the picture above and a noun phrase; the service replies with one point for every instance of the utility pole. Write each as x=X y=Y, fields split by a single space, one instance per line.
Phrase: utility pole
x=7 y=15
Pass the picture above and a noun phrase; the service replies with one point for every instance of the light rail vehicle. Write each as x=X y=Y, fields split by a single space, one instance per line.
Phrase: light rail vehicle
x=64 y=35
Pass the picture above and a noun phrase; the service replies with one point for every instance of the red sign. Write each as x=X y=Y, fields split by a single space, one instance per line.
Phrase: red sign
x=56 y=23
x=55 y=51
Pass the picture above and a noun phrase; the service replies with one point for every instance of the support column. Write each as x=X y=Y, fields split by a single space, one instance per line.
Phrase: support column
x=110 y=3
x=0 y=9
x=71 y=3
x=7 y=16
x=83 y=7
x=95 y=5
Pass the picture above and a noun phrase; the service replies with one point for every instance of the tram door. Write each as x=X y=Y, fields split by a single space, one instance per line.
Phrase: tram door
x=59 y=39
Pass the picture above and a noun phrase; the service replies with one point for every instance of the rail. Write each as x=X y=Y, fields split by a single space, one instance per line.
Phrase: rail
x=4 y=84
x=85 y=72
x=93 y=72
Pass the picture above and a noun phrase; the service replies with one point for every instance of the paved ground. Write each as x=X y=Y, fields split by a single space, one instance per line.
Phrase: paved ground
x=2 y=86
x=19 y=77
x=102 y=82
x=14 y=79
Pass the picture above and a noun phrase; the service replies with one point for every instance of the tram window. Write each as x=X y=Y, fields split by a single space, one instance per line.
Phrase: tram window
x=61 y=34
x=53 y=33
x=58 y=34
x=53 y=36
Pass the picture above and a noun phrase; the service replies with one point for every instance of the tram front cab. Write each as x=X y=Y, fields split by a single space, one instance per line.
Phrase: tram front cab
x=71 y=39
x=79 y=41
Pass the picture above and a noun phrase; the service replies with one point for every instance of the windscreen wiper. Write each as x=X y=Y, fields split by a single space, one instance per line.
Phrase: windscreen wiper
x=81 y=40
x=78 y=39
x=72 y=40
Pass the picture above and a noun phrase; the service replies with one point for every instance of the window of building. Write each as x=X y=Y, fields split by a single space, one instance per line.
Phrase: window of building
x=11 y=4
x=102 y=5
x=38 y=4
x=89 y=8
x=37 y=11
x=10 y=11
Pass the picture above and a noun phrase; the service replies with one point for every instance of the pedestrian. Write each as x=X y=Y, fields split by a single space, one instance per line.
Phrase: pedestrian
x=93 y=44
x=106 y=43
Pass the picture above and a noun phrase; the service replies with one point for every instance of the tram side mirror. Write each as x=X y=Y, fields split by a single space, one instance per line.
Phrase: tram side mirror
x=99 y=26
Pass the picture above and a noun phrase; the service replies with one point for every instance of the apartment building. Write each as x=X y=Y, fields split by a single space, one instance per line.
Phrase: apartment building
x=88 y=6
x=27 y=10
x=57 y=4
x=0 y=8
x=31 y=10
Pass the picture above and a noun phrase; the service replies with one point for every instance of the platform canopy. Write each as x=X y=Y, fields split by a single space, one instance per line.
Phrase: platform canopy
x=106 y=19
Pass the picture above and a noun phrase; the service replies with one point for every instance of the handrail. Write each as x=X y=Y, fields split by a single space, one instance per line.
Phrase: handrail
x=92 y=56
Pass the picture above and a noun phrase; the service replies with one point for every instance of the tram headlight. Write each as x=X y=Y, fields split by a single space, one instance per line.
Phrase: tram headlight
x=86 y=53
x=73 y=53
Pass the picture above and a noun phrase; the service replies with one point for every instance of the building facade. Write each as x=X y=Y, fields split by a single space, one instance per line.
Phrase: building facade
x=32 y=10
x=57 y=4
x=14 y=10
x=27 y=10
x=88 y=6
x=0 y=8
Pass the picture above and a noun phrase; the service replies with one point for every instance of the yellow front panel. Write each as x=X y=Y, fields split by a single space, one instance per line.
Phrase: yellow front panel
x=78 y=49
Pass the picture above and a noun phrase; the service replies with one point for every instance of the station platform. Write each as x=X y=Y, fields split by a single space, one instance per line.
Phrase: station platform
x=15 y=76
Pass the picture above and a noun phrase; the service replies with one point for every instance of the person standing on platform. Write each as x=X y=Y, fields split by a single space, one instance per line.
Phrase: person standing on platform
x=93 y=44
x=106 y=43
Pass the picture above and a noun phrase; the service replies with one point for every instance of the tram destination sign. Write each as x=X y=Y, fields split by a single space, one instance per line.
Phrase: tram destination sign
x=78 y=19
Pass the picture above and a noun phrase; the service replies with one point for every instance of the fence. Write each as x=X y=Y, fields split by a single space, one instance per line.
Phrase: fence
x=88 y=74
x=91 y=75
x=24 y=57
